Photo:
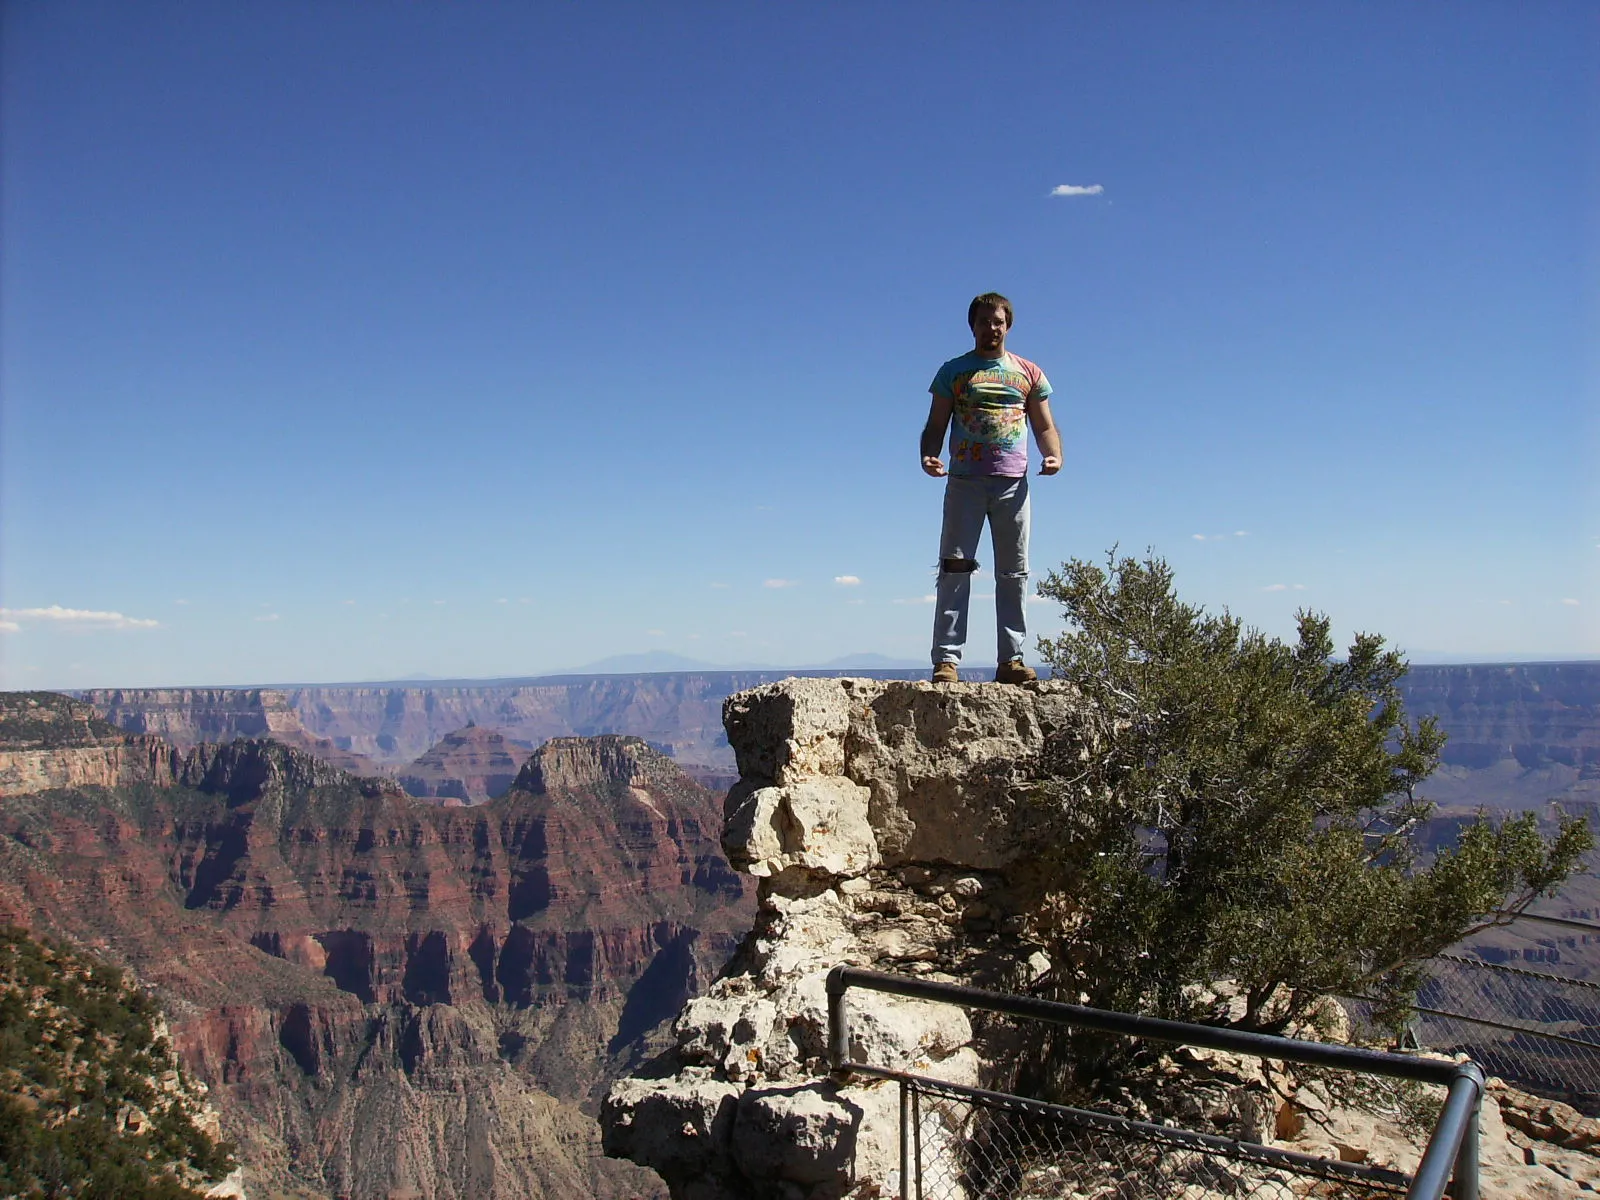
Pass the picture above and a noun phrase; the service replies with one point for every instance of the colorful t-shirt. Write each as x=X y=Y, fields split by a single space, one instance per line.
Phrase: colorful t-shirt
x=989 y=422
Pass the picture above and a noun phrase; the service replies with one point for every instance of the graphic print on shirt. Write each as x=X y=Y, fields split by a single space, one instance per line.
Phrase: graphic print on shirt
x=989 y=432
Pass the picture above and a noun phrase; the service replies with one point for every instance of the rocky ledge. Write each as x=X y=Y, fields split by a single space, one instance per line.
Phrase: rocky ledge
x=877 y=817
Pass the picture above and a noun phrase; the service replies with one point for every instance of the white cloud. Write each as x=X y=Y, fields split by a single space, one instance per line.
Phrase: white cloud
x=503 y=600
x=350 y=603
x=180 y=602
x=1199 y=537
x=1507 y=603
x=10 y=627
x=82 y=618
x=268 y=617
x=779 y=583
x=438 y=603
x=847 y=580
x=1219 y=537
x=1569 y=600
x=656 y=632
x=1284 y=587
x=928 y=599
x=1241 y=533
x=718 y=584
x=1072 y=189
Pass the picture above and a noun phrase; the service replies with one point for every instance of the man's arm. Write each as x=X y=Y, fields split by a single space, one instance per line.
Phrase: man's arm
x=1046 y=434
x=933 y=433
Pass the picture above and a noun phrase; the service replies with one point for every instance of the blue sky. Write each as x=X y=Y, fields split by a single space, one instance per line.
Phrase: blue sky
x=353 y=341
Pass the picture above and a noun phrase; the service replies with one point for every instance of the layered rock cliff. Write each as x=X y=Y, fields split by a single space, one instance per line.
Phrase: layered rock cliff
x=1519 y=734
x=388 y=996
x=878 y=819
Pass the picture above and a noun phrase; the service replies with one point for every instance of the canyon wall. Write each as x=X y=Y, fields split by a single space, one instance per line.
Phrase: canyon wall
x=388 y=997
x=1520 y=734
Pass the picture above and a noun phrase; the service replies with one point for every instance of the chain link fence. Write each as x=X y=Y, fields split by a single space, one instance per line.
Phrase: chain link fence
x=1537 y=1029
x=974 y=1145
x=966 y=1143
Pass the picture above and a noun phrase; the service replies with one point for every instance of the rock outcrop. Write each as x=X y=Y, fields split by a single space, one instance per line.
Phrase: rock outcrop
x=878 y=820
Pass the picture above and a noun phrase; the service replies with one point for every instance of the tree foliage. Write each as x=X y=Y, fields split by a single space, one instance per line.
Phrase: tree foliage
x=1245 y=811
x=92 y=1105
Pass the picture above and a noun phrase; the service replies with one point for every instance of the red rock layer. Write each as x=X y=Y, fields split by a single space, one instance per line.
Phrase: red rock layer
x=336 y=954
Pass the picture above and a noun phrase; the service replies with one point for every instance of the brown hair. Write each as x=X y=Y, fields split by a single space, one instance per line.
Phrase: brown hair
x=989 y=300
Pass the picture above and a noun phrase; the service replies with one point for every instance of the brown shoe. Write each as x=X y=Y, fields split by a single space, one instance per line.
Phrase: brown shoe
x=945 y=672
x=1015 y=671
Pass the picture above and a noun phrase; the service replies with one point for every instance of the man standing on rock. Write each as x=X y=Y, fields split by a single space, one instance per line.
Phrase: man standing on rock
x=988 y=391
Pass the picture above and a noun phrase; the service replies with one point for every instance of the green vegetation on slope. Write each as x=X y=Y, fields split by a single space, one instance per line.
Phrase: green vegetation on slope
x=92 y=1104
x=1247 y=814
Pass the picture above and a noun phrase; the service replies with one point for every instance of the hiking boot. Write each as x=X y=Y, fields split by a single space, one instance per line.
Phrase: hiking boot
x=1015 y=671
x=944 y=672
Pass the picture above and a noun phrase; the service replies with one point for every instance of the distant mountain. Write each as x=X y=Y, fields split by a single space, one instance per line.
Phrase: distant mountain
x=650 y=661
x=877 y=662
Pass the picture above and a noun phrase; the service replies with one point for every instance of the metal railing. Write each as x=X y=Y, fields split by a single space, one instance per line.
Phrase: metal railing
x=964 y=1143
x=1536 y=1028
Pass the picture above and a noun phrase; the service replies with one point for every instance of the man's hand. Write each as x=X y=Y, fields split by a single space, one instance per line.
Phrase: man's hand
x=932 y=465
x=1050 y=465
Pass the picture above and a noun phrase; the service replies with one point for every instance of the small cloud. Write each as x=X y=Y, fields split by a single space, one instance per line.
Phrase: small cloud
x=1570 y=601
x=437 y=603
x=1284 y=587
x=10 y=627
x=656 y=632
x=1241 y=533
x=267 y=617
x=847 y=580
x=349 y=603
x=718 y=584
x=1506 y=603
x=694 y=637
x=928 y=599
x=1073 y=189
x=1199 y=537
x=81 y=618
x=779 y=583
x=180 y=602
x=503 y=600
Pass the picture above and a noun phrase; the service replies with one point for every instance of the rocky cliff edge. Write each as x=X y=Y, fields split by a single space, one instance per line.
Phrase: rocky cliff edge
x=877 y=818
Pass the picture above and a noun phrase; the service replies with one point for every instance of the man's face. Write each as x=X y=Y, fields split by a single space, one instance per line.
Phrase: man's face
x=989 y=330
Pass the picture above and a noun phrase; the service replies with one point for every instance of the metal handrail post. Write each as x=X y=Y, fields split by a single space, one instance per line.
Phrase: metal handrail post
x=905 y=1140
x=1454 y=1144
x=838 y=1022
x=1467 y=1181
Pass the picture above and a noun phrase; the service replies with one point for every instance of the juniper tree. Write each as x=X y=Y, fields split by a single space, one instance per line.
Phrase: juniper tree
x=1247 y=812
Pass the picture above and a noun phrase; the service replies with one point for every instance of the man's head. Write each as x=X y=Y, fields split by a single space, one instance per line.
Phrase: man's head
x=989 y=317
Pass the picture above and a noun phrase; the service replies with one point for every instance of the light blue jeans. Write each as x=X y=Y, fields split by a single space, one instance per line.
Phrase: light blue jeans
x=969 y=500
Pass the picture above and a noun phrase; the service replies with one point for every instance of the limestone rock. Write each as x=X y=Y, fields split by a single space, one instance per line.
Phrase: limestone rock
x=876 y=816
